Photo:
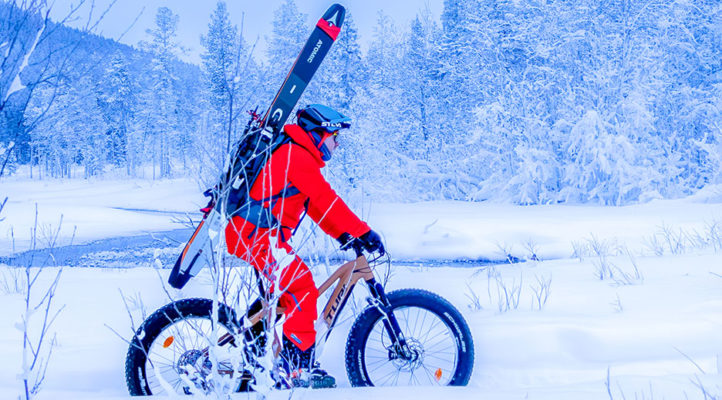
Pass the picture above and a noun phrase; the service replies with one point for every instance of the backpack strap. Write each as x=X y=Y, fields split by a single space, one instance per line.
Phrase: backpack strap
x=255 y=211
x=305 y=212
x=261 y=216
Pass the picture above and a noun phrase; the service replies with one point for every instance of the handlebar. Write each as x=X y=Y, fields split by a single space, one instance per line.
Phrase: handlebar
x=349 y=242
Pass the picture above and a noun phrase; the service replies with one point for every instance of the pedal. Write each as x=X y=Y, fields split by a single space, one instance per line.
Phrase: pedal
x=245 y=382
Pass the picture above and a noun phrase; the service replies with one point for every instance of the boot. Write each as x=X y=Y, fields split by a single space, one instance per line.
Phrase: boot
x=320 y=379
x=255 y=337
x=254 y=346
x=301 y=368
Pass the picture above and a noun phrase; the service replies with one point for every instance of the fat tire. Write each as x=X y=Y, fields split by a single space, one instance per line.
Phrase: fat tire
x=135 y=374
x=362 y=327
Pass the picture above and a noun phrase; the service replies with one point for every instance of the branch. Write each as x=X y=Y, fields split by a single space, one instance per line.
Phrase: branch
x=34 y=365
x=2 y=205
x=690 y=360
x=16 y=84
x=47 y=30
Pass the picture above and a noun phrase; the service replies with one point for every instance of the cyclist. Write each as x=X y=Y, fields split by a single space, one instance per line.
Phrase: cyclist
x=289 y=183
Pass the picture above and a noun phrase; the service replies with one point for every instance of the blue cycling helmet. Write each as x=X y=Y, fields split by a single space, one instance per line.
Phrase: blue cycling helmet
x=320 y=121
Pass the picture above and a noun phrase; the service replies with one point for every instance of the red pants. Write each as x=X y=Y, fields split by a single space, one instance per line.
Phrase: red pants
x=299 y=292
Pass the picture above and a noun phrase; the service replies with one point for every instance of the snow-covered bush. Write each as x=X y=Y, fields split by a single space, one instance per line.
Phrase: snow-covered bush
x=39 y=285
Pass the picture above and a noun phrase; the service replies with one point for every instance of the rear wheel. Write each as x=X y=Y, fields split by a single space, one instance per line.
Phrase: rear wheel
x=439 y=351
x=169 y=353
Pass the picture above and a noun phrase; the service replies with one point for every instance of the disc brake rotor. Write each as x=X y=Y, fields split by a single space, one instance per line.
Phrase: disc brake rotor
x=410 y=361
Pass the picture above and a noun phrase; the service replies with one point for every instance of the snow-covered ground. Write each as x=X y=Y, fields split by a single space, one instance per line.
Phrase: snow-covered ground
x=648 y=329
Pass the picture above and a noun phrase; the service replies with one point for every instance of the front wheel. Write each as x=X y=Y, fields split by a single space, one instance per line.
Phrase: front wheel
x=439 y=347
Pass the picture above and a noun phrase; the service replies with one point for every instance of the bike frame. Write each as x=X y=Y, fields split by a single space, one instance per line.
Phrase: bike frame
x=345 y=277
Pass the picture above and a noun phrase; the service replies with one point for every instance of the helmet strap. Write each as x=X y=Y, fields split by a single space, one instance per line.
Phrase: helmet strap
x=325 y=153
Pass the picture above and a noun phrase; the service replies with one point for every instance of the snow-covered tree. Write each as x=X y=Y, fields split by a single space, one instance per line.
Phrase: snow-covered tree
x=526 y=101
x=365 y=158
x=341 y=74
x=33 y=55
x=161 y=100
x=74 y=133
x=230 y=72
x=421 y=87
x=118 y=103
x=341 y=84
x=288 y=35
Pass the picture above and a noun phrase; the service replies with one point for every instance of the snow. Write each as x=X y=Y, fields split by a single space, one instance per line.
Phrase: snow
x=93 y=209
x=439 y=230
x=653 y=326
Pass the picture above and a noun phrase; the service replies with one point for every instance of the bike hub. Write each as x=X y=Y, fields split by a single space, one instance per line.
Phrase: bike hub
x=408 y=358
x=188 y=363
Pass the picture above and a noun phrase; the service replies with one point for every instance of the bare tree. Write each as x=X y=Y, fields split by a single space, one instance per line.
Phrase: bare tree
x=25 y=27
x=40 y=312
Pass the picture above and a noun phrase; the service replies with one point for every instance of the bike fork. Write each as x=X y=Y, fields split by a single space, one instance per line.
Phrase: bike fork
x=381 y=302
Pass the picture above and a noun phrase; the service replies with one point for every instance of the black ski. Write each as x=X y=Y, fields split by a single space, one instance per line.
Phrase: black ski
x=306 y=64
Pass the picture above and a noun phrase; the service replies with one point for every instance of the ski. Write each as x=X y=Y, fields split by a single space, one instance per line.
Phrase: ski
x=305 y=66
x=324 y=34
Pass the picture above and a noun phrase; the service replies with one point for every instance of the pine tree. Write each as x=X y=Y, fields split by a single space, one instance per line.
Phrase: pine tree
x=687 y=114
x=118 y=102
x=74 y=133
x=231 y=81
x=377 y=119
x=421 y=85
x=162 y=100
x=343 y=71
x=219 y=63
x=288 y=35
x=340 y=83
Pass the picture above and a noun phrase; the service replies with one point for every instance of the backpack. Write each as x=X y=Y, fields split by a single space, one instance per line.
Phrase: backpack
x=252 y=153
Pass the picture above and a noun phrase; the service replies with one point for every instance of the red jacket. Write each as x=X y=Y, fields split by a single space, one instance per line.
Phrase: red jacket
x=299 y=164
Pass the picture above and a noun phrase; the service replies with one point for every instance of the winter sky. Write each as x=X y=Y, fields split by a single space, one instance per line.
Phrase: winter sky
x=194 y=16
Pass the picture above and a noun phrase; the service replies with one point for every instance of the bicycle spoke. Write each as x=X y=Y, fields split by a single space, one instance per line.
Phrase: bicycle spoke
x=436 y=340
x=423 y=322
x=155 y=354
x=428 y=333
x=378 y=360
x=390 y=376
x=406 y=320
x=429 y=374
x=412 y=377
x=449 y=346
x=416 y=324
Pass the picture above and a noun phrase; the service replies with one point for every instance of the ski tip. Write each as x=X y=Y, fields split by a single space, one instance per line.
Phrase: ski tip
x=334 y=15
x=332 y=20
